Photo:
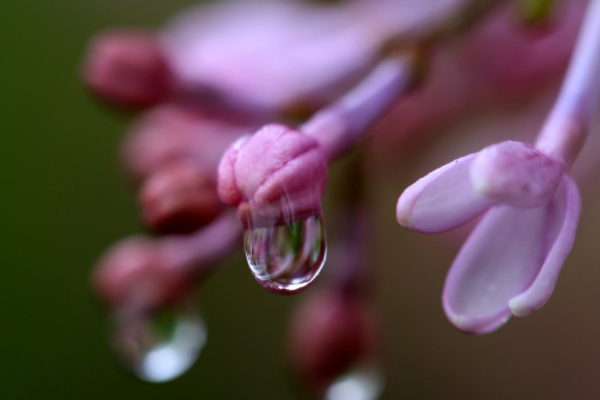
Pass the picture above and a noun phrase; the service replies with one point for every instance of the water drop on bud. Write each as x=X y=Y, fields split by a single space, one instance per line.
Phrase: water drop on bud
x=159 y=347
x=286 y=258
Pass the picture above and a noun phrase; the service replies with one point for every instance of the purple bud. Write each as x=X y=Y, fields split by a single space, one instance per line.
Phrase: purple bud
x=173 y=133
x=277 y=175
x=127 y=69
x=331 y=333
x=136 y=270
x=180 y=198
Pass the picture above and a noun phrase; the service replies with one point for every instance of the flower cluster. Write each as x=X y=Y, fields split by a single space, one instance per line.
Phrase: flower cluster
x=245 y=104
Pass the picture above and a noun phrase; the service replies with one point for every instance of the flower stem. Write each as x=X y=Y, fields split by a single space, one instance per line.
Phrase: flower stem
x=339 y=126
x=571 y=118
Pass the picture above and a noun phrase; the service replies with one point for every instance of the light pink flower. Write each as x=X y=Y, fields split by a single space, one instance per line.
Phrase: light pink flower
x=270 y=54
x=511 y=261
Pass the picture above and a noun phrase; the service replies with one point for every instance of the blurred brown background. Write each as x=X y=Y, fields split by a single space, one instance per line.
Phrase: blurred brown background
x=64 y=202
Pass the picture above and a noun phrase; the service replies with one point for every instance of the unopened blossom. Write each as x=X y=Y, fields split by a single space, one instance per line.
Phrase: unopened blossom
x=128 y=68
x=172 y=153
x=180 y=198
x=150 y=274
x=175 y=132
x=331 y=333
x=276 y=175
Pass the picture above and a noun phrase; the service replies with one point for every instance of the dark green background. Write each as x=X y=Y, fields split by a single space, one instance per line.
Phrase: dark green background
x=63 y=202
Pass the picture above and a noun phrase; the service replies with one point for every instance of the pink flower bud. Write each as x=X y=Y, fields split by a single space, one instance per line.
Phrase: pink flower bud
x=175 y=132
x=135 y=270
x=180 y=198
x=330 y=334
x=516 y=174
x=277 y=175
x=127 y=69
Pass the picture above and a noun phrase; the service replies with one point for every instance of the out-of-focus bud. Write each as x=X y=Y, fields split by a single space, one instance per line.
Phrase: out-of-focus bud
x=136 y=271
x=331 y=334
x=180 y=198
x=127 y=69
x=176 y=132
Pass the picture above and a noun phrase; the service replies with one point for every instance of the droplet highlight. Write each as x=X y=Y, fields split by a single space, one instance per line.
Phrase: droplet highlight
x=159 y=347
x=362 y=383
x=287 y=258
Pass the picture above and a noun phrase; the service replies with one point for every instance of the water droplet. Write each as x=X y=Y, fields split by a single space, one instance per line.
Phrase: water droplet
x=287 y=258
x=362 y=383
x=162 y=346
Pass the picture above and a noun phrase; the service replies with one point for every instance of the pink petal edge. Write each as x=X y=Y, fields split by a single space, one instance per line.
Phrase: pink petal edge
x=540 y=291
x=442 y=200
x=510 y=263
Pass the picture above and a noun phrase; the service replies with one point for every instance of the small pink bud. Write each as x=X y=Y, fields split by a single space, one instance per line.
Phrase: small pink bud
x=180 y=198
x=516 y=174
x=134 y=270
x=277 y=175
x=173 y=132
x=127 y=69
x=330 y=334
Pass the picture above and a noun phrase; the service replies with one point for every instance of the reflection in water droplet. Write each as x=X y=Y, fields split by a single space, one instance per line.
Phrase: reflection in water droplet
x=287 y=258
x=365 y=383
x=160 y=347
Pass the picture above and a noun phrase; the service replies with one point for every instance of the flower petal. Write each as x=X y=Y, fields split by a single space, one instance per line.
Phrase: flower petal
x=516 y=174
x=442 y=200
x=564 y=212
x=499 y=261
x=511 y=261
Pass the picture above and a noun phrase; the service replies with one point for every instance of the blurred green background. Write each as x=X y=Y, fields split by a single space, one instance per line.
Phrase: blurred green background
x=64 y=202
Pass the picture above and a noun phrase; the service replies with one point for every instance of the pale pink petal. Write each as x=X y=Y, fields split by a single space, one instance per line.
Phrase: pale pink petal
x=510 y=263
x=516 y=174
x=442 y=200
x=270 y=53
x=499 y=260
x=564 y=217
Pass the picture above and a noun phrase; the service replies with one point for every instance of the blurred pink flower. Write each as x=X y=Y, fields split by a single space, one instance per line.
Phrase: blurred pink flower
x=270 y=54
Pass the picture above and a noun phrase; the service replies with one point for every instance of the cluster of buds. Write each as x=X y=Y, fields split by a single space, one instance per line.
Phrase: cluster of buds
x=215 y=93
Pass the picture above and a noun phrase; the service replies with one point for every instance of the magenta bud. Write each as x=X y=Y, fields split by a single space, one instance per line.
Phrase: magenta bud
x=330 y=334
x=136 y=270
x=275 y=176
x=516 y=174
x=173 y=132
x=127 y=69
x=180 y=198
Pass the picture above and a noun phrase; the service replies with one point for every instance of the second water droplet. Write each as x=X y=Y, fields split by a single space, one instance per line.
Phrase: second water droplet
x=361 y=383
x=287 y=258
x=159 y=347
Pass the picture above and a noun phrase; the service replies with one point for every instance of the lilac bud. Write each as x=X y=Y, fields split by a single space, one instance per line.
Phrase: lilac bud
x=136 y=270
x=274 y=176
x=127 y=69
x=180 y=198
x=175 y=132
x=330 y=334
